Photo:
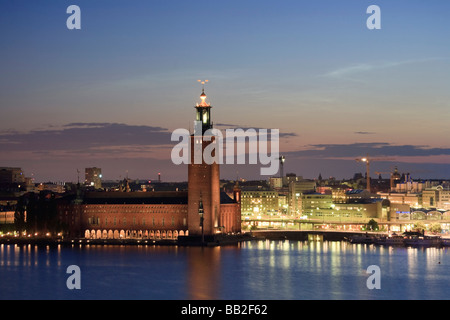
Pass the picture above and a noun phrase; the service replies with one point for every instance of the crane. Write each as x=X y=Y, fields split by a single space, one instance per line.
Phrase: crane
x=393 y=175
x=368 y=160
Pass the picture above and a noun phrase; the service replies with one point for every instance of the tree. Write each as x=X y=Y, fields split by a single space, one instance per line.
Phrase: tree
x=419 y=226
x=41 y=213
x=19 y=214
x=372 y=225
x=436 y=228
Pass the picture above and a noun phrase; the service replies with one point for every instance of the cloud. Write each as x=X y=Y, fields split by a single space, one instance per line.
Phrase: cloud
x=348 y=71
x=374 y=149
x=363 y=132
x=235 y=126
x=84 y=137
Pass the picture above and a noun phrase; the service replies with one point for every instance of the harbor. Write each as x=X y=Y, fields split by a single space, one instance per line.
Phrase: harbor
x=415 y=239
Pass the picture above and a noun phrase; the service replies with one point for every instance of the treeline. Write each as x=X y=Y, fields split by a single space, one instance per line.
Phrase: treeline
x=36 y=213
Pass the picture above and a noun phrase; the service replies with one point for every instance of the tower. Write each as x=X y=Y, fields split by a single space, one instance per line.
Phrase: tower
x=203 y=179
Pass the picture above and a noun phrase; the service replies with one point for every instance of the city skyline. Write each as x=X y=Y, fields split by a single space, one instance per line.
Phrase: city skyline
x=109 y=95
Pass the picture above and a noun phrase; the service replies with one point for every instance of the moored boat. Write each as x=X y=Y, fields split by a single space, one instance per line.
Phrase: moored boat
x=420 y=239
x=393 y=240
x=363 y=239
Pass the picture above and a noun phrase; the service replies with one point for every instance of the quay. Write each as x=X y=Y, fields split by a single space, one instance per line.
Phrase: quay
x=219 y=240
x=308 y=235
x=208 y=241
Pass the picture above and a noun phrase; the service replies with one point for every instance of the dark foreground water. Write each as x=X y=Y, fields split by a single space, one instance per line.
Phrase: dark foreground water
x=266 y=270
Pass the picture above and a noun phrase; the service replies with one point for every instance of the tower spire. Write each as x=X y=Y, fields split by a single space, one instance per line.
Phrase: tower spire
x=203 y=110
x=203 y=103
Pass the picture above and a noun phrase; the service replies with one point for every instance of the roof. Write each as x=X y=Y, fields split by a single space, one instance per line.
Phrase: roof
x=225 y=198
x=156 y=197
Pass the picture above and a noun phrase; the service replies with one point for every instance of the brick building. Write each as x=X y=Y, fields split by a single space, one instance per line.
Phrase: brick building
x=157 y=214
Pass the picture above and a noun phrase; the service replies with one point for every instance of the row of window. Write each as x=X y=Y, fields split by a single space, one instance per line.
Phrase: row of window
x=340 y=215
x=114 y=221
x=132 y=211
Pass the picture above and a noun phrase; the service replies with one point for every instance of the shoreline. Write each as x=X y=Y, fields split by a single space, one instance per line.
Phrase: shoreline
x=211 y=241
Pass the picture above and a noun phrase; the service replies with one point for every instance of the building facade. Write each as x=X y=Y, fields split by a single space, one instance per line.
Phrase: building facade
x=260 y=202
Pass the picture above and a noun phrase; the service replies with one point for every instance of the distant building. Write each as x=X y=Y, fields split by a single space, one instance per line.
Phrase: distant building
x=296 y=189
x=259 y=202
x=11 y=175
x=276 y=182
x=436 y=197
x=315 y=204
x=93 y=177
x=412 y=199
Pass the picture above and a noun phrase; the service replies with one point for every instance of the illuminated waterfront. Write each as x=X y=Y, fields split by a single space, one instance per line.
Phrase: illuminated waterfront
x=269 y=270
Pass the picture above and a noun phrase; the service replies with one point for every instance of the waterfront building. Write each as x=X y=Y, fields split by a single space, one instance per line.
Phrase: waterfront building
x=260 y=202
x=7 y=209
x=411 y=199
x=201 y=210
x=316 y=205
x=436 y=197
x=296 y=189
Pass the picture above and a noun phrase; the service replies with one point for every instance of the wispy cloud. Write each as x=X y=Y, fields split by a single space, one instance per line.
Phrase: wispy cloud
x=376 y=149
x=235 y=126
x=348 y=72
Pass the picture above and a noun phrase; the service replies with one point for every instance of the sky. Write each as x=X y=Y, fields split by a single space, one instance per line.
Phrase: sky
x=111 y=93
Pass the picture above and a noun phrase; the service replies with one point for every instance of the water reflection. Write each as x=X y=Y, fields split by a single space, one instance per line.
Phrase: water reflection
x=203 y=273
x=254 y=270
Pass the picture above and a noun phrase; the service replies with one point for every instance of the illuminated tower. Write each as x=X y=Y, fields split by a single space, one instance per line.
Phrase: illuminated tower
x=203 y=179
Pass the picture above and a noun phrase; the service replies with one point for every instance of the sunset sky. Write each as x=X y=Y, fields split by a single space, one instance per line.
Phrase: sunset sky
x=110 y=95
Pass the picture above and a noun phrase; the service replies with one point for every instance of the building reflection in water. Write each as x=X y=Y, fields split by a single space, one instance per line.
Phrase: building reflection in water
x=203 y=273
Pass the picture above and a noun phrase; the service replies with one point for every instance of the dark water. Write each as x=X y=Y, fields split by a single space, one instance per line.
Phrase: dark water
x=266 y=270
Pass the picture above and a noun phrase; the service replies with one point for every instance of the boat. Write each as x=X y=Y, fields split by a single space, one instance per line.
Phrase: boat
x=363 y=239
x=445 y=242
x=420 y=239
x=392 y=240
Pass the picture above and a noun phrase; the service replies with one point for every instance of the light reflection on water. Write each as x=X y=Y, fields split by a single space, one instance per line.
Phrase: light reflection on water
x=270 y=270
